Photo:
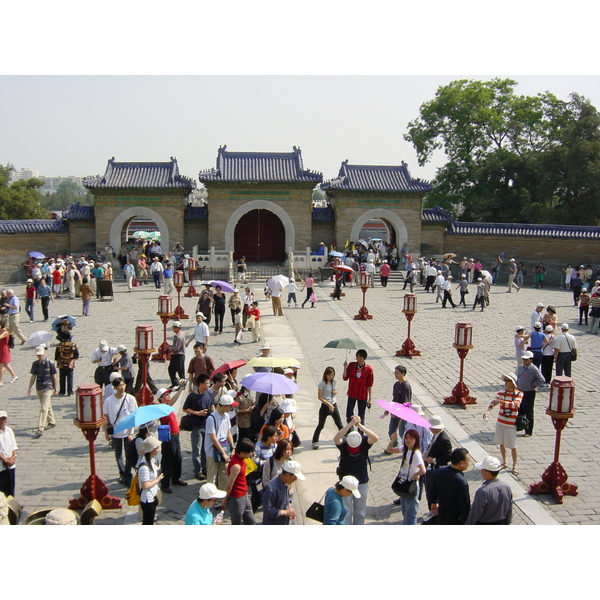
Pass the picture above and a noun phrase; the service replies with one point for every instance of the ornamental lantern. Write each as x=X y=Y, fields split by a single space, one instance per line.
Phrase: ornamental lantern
x=191 y=267
x=560 y=408
x=463 y=342
x=165 y=312
x=364 y=280
x=144 y=336
x=410 y=310
x=179 y=282
x=88 y=405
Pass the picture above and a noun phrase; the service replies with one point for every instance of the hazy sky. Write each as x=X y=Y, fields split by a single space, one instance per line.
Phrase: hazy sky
x=71 y=125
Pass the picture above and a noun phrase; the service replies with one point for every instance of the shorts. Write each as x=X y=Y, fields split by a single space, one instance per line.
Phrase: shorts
x=505 y=435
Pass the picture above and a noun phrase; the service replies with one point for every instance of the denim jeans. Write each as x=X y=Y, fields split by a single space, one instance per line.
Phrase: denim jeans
x=395 y=422
x=29 y=304
x=410 y=508
x=198 y=453
x=357 y=507
x=120 y=446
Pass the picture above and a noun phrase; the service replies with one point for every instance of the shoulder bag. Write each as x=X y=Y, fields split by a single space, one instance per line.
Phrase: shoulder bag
x=573 y=350
x=316 y=511
x=403 y=487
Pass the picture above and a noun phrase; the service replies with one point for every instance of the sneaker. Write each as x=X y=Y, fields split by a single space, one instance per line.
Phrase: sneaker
x=200 y=477
x=38 y=433
x=51 y=426
x=14 y=379
x=315 y=446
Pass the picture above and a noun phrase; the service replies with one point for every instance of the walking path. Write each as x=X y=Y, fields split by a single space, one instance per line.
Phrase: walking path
x=51 y=469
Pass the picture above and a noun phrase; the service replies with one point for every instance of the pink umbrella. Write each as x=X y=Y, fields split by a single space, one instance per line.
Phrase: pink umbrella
x=404 y=412
x=344 y=268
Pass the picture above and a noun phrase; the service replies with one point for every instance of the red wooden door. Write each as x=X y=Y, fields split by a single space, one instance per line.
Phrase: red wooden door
x=260 y=237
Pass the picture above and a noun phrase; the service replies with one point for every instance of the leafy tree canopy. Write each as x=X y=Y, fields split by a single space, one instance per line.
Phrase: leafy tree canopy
x=21 y=199
x=511 y=158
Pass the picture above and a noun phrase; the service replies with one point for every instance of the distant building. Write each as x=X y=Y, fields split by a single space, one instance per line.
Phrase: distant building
x=24 y=173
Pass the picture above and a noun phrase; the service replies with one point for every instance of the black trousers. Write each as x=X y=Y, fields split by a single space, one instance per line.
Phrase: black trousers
x=361 y=406
x=526 y=408
x=219 y=317
x=176 y=368
x=323 y=414
x=170 y=462
x=148 y=511
x=7 y=482
x=66 y=381
x=448 y=298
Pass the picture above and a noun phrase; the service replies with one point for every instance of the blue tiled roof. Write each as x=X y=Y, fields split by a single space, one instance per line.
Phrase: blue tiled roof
x=376 y=178
x=522 y=229
x=136 y=175
x=195 y=213
x=34 y=226
x=260 y=167
x=323 y=214
x=436 y=215
x=76 y=212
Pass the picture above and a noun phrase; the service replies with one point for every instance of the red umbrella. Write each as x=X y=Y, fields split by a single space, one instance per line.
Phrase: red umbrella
x=404 y=412
x=232 y=364
x=344 y=268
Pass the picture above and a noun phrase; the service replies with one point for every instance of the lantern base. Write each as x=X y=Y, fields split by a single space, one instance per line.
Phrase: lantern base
x=191 y=293
x=179 y=313
x=363 y=314
x=408 y=349
x=163 y=353
x=144 y=395
x=554 y=481
x=460 y=395
x=94 y=489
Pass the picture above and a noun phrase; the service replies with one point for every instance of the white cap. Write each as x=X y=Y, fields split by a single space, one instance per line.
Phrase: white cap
x=287 y=407
x=199 y=314
x=354 y=439
x=287 y=371
x=489 y=463
x=4 y=414
x=177 y=324
x=293 y=467
x=351 y=483
x=39 y=350
x=103 y=345
x=160 y=393
x=209 y=490
x=565 y=326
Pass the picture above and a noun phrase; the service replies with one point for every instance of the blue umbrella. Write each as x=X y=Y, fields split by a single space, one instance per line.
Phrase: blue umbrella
x=225 y=287
x=336 y=254
x=59 y=319
x=36 y=255
x=270 y=383
x=144 y=414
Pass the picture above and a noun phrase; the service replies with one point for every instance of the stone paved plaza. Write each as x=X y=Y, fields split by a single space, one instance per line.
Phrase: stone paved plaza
x=51 y=469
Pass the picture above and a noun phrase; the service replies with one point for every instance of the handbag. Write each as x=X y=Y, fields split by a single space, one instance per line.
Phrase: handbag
x=316 y=511
x=313 y=297
x=11 y=341
x=522 y=423
x=295 y=438
x=186 y=423
x=403 y=487
x=573 y=350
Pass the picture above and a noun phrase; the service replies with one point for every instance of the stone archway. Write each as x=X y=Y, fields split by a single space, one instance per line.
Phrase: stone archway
x=138 y=211
x=390 y=217
x=288 y=225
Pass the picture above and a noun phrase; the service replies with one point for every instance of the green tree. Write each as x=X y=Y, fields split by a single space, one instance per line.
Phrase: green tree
x=66 y=194
x=510 y=158
x=21 y=199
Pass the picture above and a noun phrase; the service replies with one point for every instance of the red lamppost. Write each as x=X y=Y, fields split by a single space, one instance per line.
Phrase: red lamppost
x=191 y=267
x=144 y=340
x=179 y=282
x=410 y=310
x=165 y=312
x=89 y=420
x=463 y=342
x=561 y=409
x=364 y=280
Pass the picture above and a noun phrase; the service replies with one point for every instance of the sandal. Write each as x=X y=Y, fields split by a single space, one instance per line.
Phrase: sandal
x=502 y=466
x=515 y=471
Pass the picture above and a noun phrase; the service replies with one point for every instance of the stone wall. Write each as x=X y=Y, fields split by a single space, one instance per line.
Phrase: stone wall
x=196 y=234
x=324 y=231
x=82 y=237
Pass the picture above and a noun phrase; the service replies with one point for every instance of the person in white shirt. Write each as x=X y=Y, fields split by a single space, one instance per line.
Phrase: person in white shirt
x=371 y=270
x=292 y=289
x=116 y=408
x=536 y=315
x=563 y=345
x=156 y=270
x=8 y=456
x=275 y=289
x=438 y=285
x=201 y=331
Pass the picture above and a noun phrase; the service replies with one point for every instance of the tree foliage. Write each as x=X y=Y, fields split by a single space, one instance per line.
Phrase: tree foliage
x=67 y=193
x=20 y=199
x=511 y=158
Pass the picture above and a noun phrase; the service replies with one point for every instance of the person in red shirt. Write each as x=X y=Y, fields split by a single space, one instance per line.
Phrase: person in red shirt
x=171 y=450
x=57 y=281
x=360 y=377
x=384 y=273
x=254 y=312
x=236 y=489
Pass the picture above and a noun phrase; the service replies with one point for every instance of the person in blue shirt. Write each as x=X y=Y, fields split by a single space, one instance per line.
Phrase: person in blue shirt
x=277 y=508
x=199 y=512
x=334 y=512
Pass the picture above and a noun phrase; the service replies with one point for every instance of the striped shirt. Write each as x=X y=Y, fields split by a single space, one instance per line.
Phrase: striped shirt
x=509 y=406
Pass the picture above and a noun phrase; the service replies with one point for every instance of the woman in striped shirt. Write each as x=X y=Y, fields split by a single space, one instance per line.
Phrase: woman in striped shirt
x=505 y=436
x=149 y=476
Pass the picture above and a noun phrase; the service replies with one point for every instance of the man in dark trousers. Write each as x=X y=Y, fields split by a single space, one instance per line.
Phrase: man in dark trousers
x=360 y=385
x=438 y=454
x=176 y=368
x=450 y=490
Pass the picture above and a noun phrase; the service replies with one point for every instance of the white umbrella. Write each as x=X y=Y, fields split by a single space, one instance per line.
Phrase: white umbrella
x=278 y=281
x=486 y=275
x=38 y=338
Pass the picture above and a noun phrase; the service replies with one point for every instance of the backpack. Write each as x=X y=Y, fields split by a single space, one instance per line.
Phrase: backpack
x=133 y=493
